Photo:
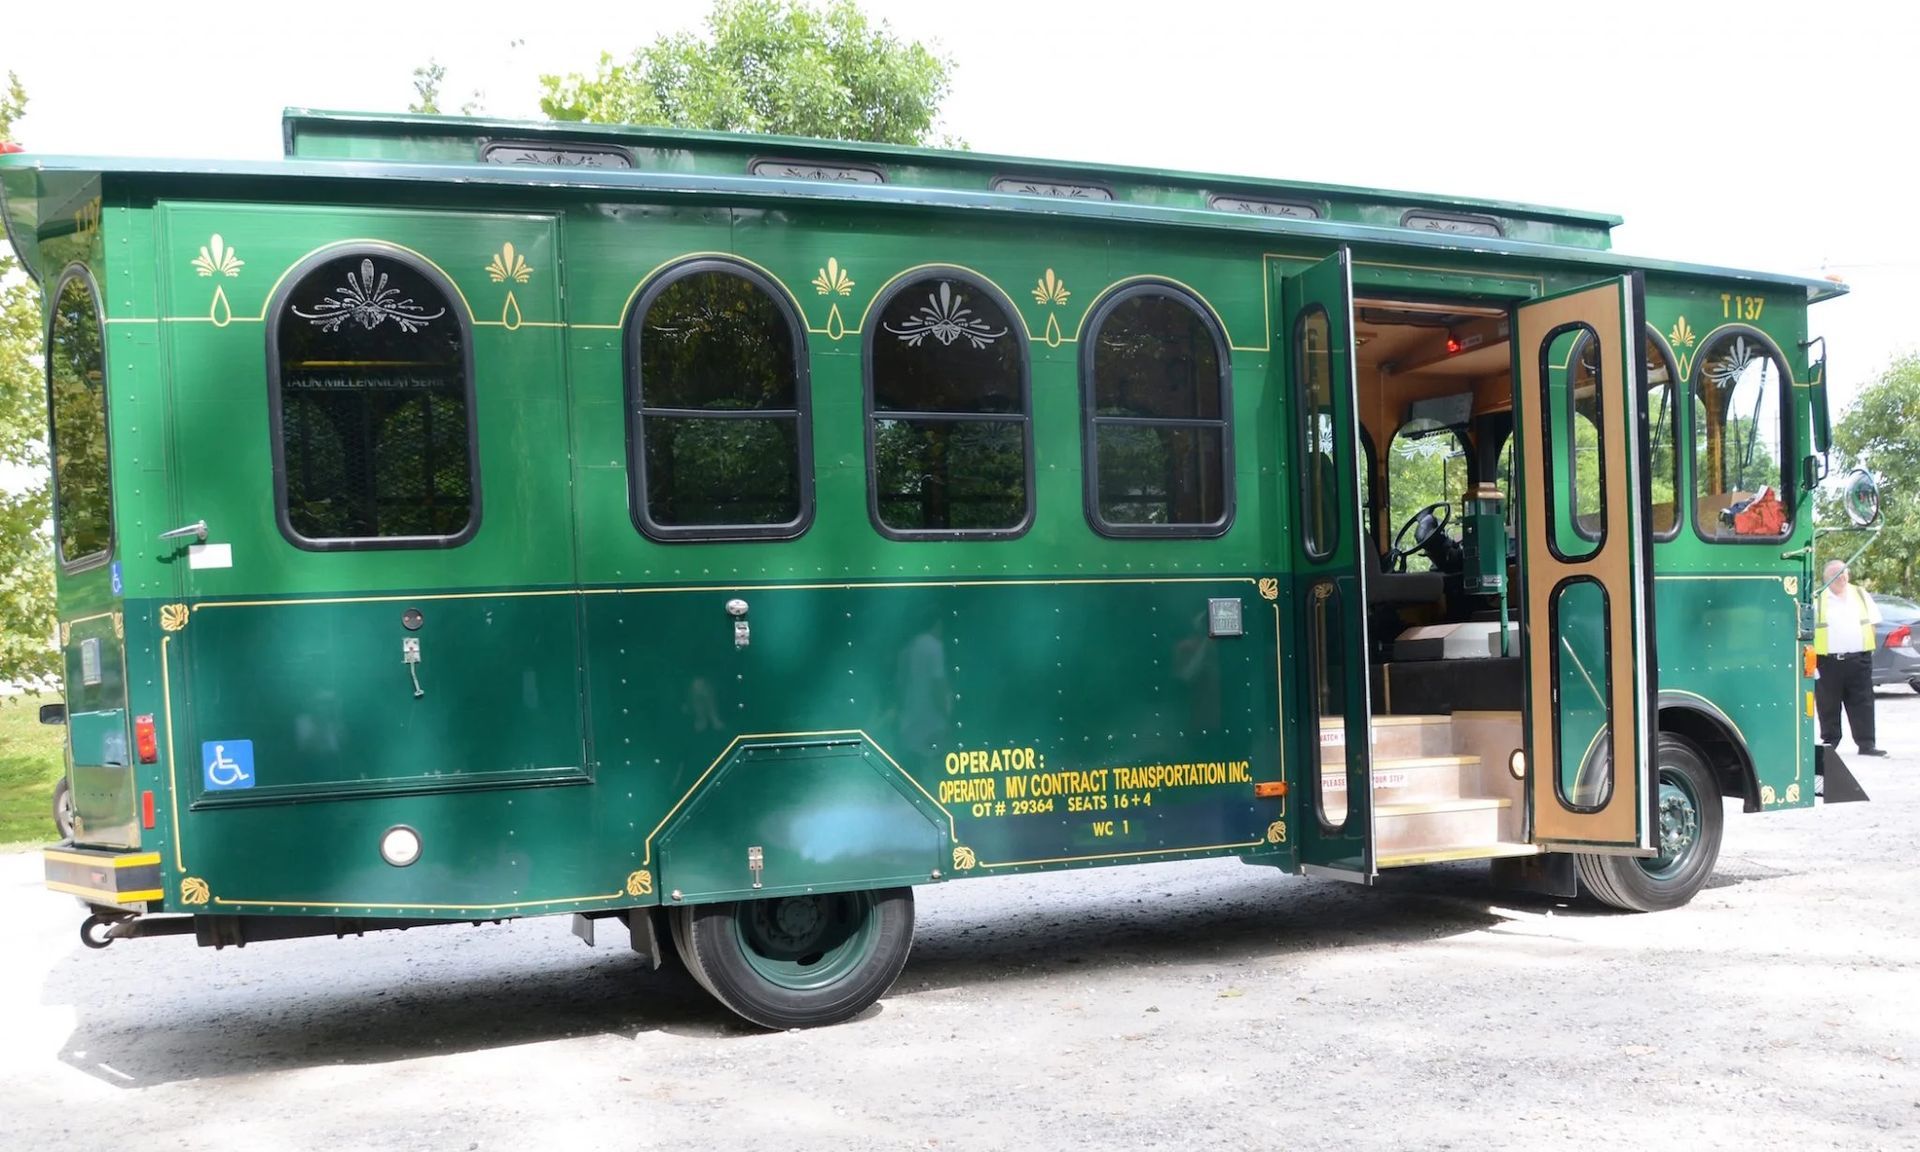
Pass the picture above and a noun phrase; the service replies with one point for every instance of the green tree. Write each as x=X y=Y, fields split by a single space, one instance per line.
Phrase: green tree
x=426 y=87
x=1877 y=433
x=775 y=66
x=26 y=551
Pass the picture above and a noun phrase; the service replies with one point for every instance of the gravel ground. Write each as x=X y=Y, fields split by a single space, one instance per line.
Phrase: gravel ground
x=1166 y=1006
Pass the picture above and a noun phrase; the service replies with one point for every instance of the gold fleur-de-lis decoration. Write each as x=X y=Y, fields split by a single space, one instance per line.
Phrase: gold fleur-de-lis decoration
x=1050 y=289
x=173 y=617
x=963 y=860
x=1793 y=793
x=1277 y=832
x=1682 y=333
x=1766 y=794
x=833 y=280
x=640 y=883
x=215 y=256
x=1269 y=589
x=193 y=890
x=509 y=265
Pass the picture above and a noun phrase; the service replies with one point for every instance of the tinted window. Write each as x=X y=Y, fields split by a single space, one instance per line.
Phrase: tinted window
x=947 y=396
x=1320 y=484
x=1157 y=431
x=1663 y=418
x=77 y=402
x=1737 y=383
x=375 y=432
x=720 y=398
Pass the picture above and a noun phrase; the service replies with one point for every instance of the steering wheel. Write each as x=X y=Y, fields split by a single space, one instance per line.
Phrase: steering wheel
x=1396 y=555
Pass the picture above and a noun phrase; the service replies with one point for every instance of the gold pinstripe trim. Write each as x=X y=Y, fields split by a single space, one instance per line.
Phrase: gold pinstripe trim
x=143 y=860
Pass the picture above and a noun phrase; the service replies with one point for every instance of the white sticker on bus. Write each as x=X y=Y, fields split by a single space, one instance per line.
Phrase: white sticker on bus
x=209 y=555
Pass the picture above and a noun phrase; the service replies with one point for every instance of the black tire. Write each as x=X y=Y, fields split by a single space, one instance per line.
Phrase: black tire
x=1637 y=884
x=841 y=953
x=1914 y=683
x=63 y=808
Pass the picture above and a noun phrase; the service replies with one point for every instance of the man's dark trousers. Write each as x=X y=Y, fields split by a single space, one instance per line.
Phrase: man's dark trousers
x=1846 y=678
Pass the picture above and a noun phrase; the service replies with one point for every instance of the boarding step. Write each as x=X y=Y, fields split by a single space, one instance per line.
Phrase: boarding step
x=1464 y=822
x=1412 y=779
x=1493 y=851
x=1393 y=736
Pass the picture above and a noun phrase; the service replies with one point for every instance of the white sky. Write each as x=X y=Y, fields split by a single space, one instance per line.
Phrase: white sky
x=1757 y=135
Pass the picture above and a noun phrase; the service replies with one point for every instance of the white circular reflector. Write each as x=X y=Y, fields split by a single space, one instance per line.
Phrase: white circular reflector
x=400 y=846
x=1517 y=764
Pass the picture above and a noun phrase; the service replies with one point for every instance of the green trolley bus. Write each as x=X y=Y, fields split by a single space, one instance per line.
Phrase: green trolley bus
x=460 y=520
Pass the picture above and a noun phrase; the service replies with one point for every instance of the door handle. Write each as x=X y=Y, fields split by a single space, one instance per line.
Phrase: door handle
x=197 y=530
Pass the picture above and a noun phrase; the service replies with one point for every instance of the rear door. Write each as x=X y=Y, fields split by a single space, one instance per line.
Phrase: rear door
x=1329 y=637
x=1586 y=573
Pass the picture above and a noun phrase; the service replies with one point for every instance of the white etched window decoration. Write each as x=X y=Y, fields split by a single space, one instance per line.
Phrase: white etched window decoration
x=802 y=170
x=554 y=155
x=1289 y=209
x=1026 y=187
x=369 y=302
x=945 y=317
x=1454 y=223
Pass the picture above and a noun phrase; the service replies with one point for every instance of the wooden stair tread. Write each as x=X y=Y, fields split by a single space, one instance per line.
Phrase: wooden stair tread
x=1388 y=721
x=1448 y=760
x=1463 y=804
x=1444 y=855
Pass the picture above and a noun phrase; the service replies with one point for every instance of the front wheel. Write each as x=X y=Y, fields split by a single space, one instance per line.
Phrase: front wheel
x=798 y=961
x=1687 y=839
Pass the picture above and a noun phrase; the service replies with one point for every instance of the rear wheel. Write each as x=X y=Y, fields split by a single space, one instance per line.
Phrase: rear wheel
x=1687 y=838
x=798 y=961
x=63 y=808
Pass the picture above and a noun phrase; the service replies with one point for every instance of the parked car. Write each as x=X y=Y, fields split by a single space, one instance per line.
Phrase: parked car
x=1896 y=652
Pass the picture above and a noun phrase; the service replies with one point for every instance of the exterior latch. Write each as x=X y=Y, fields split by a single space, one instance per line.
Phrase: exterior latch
x=756 y=860
x=742 y=636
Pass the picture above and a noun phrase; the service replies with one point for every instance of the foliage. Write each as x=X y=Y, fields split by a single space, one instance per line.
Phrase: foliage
x=30 y=761
x=1877 y=433
x=776 y=66
x=426 y=87
x=26 y=552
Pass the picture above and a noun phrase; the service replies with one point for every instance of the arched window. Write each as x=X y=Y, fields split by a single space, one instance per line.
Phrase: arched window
x=949 y=438
x=1741 y=390
x=373 y=437
x=1159 y=444
x=77 y=414
x=1426 y=464
x=718 y=371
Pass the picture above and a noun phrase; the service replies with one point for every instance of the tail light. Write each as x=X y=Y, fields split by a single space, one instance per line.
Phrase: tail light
x=1901 y=637
x=144 y=741
x=7 y=146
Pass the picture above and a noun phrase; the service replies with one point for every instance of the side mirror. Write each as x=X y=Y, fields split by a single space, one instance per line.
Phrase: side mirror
x=53 y=713
x=1813 y=470
x=1861 y=499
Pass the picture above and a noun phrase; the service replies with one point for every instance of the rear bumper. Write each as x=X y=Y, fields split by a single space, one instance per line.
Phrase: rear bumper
x=102 y=875
x=1895 y=665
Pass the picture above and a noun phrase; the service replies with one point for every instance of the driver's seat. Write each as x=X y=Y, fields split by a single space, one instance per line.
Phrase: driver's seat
x=1392 y=588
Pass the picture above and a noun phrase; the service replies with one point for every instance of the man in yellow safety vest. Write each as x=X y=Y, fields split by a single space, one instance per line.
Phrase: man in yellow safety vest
x=1843 y=640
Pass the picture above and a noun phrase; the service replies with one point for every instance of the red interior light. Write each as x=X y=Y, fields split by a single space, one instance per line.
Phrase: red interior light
x=1453 y=345
x=144 y=740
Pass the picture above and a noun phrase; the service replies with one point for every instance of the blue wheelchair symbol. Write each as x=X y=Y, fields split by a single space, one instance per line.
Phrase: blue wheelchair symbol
x=114 y=573
x=229 y=764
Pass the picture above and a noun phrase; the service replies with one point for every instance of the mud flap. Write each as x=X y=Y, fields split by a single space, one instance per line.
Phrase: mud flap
x=1549 y=874
x=1841 y=787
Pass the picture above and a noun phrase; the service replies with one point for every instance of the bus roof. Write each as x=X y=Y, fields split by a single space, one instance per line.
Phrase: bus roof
x=721 y=167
